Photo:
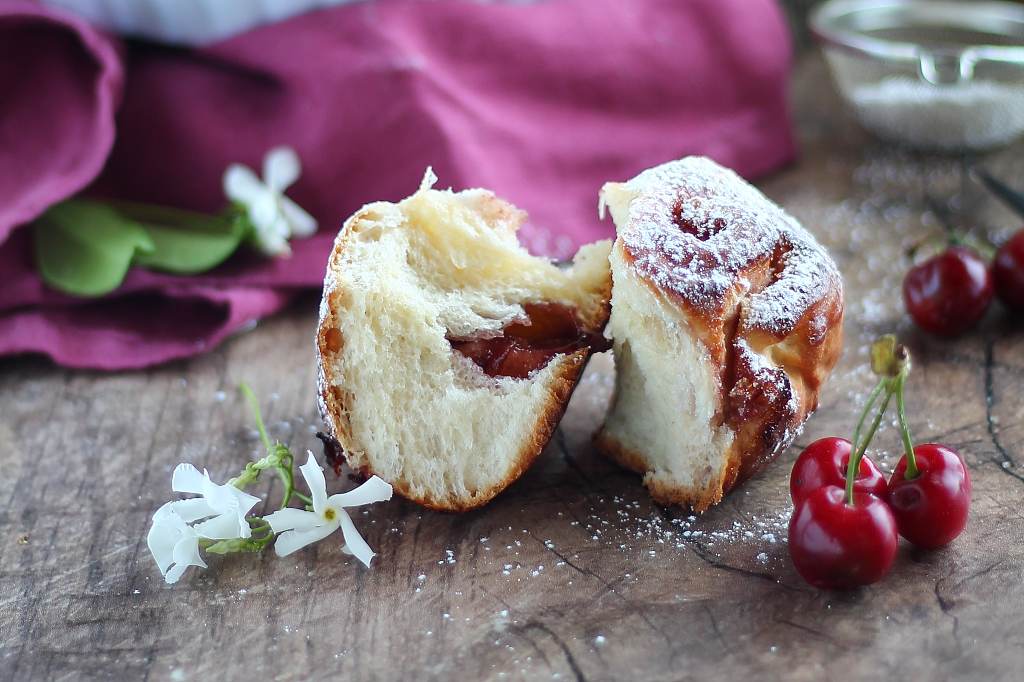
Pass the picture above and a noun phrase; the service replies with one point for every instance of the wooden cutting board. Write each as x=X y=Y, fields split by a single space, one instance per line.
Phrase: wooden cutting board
x=572 y=573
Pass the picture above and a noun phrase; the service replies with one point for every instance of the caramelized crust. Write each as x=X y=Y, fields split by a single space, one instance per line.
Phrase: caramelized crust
x=762 y=296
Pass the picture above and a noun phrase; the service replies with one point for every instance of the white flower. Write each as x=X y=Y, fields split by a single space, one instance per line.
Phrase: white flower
x=172 y=541
x=275 y=217
x=299 y=528
x=225 y=503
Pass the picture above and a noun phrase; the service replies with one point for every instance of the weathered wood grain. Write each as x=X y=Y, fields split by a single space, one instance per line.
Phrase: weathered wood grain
x=572 y=573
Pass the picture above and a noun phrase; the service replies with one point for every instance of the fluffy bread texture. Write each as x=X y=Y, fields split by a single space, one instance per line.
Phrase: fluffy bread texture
x=401 y=280
x=726 y=320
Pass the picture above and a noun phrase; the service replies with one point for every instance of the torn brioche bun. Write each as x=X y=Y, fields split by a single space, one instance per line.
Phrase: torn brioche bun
x=726 y=320
x=447 y=353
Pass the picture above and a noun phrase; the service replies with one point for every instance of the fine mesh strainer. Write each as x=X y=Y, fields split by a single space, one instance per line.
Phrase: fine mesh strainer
x=929 y=74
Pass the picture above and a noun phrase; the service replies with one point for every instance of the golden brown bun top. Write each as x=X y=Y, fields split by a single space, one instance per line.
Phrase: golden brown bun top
x=715 y=245
x=698 y=231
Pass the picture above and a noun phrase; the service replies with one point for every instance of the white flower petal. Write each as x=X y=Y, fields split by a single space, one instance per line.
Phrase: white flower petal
x=316 y=482
x=227 y=498
x=187 y=551
x=161 y=540
x=281 y=168
x=301 y=224
x=273 y=246
x=265 y=216
x=293 y=540
x=173 y=544
x=274 y=217
x=245 y=501
x=166 y=514
x=223 y=527
x=353 y=540
x=271 y=229
x=174 y=575
x=211 y=491
x=187 y=479
x=185 y=554
x=241 y=184
x=278 y=230
x=293 y=519
x=192 y=509
x=373 y=490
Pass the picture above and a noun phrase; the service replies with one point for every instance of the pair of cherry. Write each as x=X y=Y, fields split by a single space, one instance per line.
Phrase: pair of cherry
x=949 y=293
x=847 y=518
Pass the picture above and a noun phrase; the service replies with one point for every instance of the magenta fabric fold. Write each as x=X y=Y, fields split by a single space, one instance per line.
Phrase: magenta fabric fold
x=60 y=82
x=540 y=102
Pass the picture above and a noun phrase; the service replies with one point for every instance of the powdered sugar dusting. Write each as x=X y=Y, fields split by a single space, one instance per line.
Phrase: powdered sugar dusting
x=696 y=229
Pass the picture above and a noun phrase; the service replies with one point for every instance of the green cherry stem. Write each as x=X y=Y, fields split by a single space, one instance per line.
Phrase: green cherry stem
x=858 y=453
x=908 y=443
x=890 y=361
x=868 y=406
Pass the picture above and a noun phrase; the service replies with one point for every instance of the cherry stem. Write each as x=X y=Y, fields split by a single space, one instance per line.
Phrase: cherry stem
x=858 y=454
x=867 y=410
x=854 y=465
x=908 y=443
x=890 y=360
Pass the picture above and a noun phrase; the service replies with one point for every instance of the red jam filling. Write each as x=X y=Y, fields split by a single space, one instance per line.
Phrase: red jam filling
x=523 y=348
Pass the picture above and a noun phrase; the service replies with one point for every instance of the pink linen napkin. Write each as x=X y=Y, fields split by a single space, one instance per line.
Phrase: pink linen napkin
x=540 y=102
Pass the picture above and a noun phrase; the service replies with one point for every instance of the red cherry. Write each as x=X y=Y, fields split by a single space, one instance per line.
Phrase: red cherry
x=838 y=546
x=931 y=508
x=1008 y=272
x=949 y=293
x=824 y=462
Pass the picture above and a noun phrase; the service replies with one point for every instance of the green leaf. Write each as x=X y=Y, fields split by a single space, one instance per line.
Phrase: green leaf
x=85 y=247
x=186 y=243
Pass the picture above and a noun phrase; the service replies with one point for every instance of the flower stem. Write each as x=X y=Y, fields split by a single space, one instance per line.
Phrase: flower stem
x=255 y=407
x=279 y=457
x=258 y=525
x=257 y=542
x=283 y=467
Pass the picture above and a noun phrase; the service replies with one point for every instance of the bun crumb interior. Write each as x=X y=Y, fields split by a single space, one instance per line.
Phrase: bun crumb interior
x=447 y=353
